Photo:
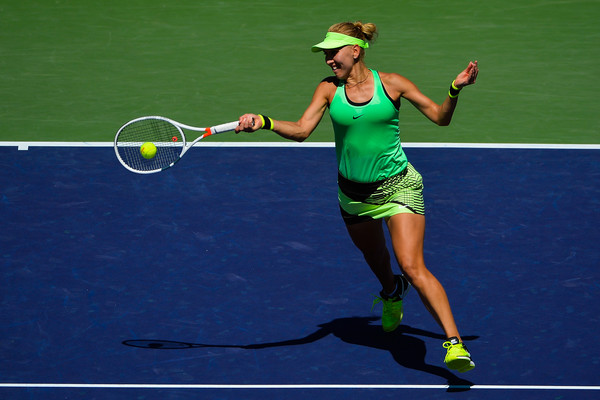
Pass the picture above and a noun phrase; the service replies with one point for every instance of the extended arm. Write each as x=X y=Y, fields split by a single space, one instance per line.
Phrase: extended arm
x=300 y=130
x=439 y=114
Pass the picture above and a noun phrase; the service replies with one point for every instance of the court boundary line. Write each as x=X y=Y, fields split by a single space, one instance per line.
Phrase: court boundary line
x=25 y=145
x=284 y=386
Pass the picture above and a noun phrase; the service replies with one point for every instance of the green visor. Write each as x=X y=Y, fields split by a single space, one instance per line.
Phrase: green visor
x=334 y=40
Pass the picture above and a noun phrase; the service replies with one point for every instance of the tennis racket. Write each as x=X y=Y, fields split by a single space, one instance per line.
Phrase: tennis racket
x=165 y=134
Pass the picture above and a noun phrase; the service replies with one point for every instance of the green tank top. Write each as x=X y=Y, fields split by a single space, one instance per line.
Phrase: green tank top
x=367 y=137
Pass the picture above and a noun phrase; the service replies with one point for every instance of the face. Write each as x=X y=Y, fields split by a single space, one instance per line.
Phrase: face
x=342 y=59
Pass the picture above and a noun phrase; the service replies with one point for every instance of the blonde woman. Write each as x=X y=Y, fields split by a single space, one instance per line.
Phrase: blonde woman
x=376 y=183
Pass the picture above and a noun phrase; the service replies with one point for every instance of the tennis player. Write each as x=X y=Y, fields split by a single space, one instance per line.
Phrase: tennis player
x=375 y=180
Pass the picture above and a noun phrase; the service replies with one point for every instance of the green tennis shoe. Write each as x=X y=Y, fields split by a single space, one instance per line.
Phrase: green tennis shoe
x=457 y=356
x=393 y=310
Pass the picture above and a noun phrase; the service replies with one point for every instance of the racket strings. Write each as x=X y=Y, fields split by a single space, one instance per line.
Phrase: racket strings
x=167 y=138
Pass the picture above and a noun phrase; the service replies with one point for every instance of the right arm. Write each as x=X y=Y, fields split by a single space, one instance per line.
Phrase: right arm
x=300 y=130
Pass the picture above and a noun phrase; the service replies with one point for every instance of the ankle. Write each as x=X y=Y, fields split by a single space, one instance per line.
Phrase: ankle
x=392 y=293
x=454 y=340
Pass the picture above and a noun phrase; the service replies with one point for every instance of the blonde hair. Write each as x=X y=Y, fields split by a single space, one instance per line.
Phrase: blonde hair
x=366 y=32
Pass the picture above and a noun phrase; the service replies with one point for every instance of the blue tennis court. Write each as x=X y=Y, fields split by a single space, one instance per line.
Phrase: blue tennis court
x=231 y=276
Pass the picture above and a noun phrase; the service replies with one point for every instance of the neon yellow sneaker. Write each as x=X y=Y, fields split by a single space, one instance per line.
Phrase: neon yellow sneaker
x=392 y=305
x=458 y=357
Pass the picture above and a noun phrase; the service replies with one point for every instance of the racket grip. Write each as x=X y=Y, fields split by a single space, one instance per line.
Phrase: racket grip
x=224 y=127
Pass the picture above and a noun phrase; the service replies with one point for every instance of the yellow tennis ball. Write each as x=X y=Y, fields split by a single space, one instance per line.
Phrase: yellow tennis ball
x=148 y=150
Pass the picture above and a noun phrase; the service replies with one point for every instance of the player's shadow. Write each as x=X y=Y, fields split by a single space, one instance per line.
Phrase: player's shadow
x=406 y=349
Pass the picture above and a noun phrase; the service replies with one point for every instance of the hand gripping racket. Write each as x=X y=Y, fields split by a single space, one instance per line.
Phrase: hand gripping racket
x=165 y=134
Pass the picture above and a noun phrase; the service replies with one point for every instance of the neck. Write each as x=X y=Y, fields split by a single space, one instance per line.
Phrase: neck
x=358 y=76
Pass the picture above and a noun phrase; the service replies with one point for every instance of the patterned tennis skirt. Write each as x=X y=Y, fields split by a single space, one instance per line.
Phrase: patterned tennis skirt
x=401 y=193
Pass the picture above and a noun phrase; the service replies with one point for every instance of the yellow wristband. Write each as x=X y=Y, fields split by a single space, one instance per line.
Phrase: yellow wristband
x=267 y=123
x=454 y=91
x=262 y=120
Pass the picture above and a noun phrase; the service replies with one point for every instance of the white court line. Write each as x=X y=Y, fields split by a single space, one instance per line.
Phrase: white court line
x=315 y=386
x=27 y=145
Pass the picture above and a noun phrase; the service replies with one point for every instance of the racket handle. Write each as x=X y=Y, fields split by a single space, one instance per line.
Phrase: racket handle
x=230 y=126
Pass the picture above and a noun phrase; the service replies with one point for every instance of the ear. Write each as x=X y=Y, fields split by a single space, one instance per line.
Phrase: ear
x=356 y=52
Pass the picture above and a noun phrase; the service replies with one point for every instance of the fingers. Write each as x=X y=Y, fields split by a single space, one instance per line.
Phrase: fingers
x=473 y=70
x=469 y=75
x=248 y=123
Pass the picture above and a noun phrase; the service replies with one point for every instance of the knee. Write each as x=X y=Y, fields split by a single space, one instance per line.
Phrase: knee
x=415 y=271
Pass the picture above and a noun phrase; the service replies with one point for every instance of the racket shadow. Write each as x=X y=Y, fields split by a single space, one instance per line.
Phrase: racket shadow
x=406 y=349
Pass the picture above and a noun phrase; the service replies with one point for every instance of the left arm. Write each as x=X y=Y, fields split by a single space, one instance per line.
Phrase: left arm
x=438 y=114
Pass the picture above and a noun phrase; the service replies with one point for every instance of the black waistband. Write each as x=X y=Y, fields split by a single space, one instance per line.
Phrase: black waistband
x=360 y=191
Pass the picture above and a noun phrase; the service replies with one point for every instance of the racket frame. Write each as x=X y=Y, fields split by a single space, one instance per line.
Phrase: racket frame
x=213 y=130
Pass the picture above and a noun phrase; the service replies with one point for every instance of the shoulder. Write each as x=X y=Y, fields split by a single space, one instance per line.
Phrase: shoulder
x=327 y=87
x=396 y=84
x=330 y=81
x=394 y=81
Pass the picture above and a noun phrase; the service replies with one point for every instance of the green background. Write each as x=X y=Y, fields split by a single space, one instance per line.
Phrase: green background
x=77 y=70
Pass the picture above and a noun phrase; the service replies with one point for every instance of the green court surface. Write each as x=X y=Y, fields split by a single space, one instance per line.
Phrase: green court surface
x=77 y=70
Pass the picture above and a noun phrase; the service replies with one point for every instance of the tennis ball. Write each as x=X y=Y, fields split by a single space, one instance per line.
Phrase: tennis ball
x=148 y=150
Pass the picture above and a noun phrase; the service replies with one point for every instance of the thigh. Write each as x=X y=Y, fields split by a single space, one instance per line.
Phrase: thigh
x=407 y=232
x=367 y=236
